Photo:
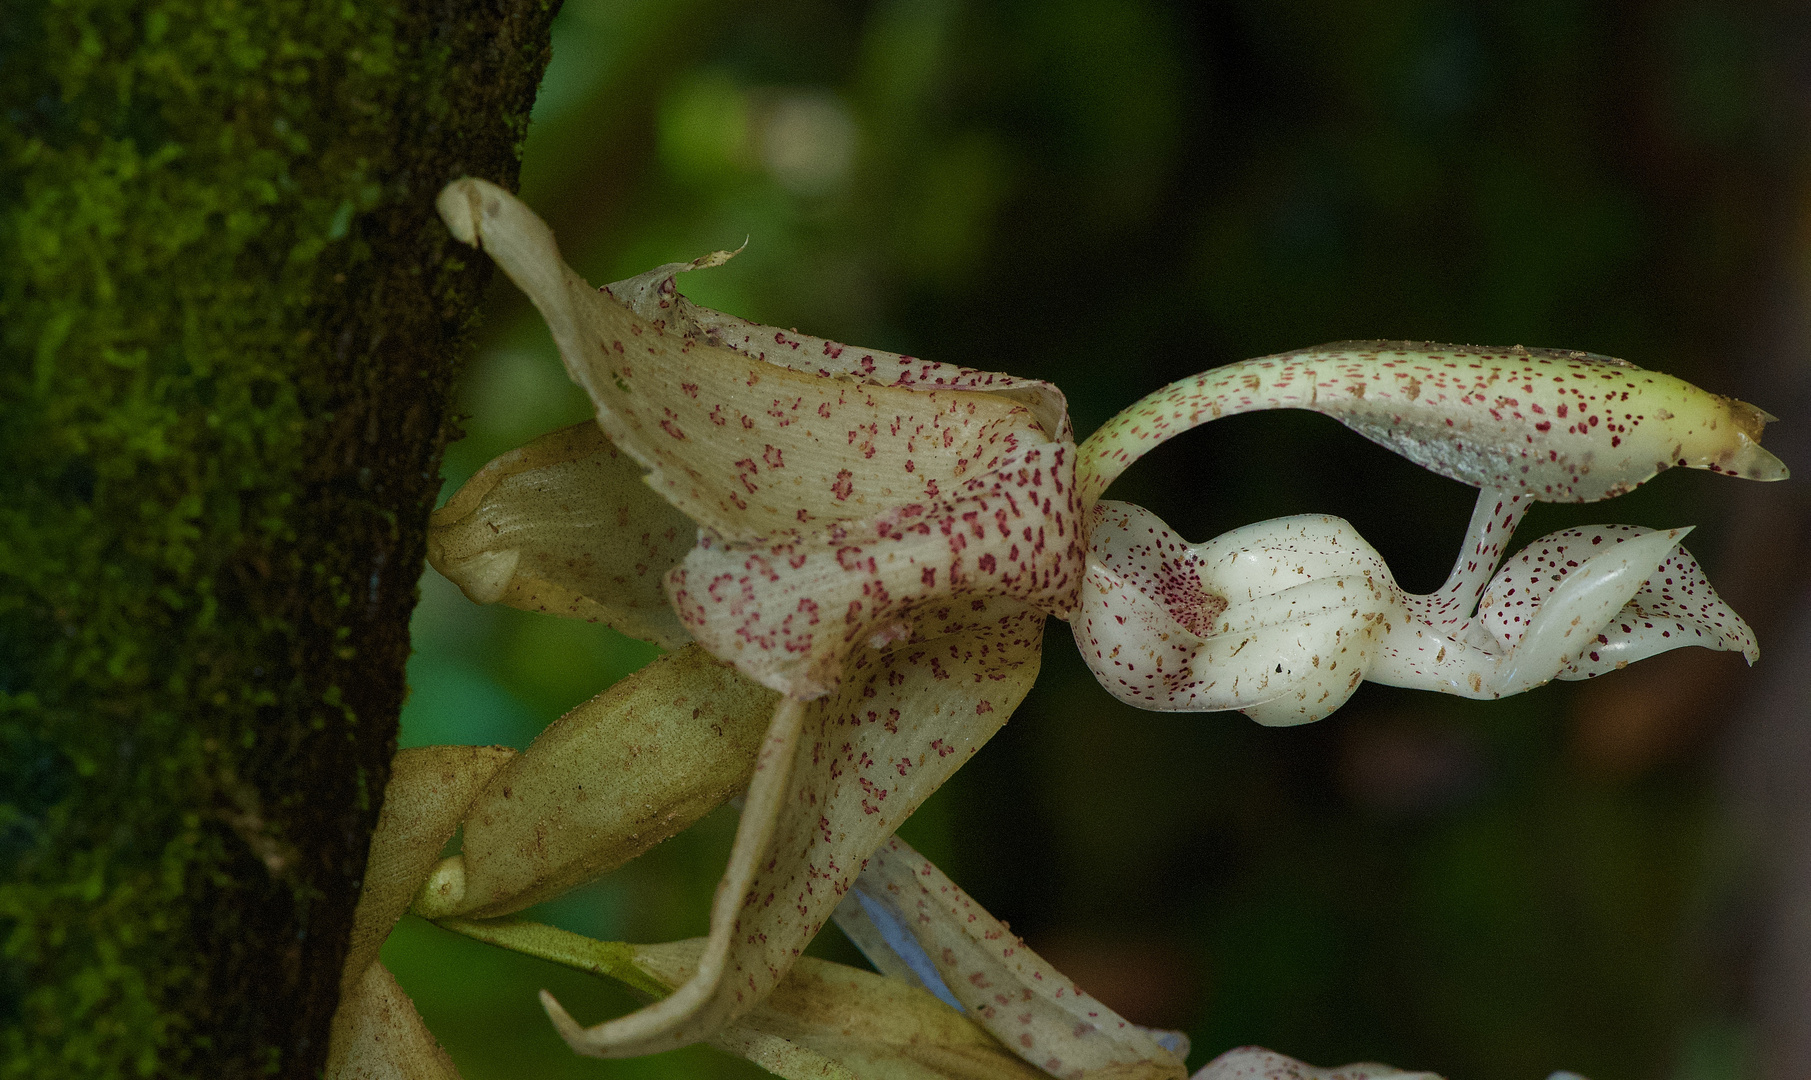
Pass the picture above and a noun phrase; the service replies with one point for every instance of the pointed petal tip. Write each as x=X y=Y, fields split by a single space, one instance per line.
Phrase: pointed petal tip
x=1750 y=460
x=1648 y=551
x=1755 y=462
x=570 y=1030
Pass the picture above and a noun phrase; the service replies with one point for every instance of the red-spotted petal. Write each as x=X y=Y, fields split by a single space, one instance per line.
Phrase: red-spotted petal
x=1560 y=426
x=839 y=491
x=747 y=447
x=1675 y=607
x=1004 y=986
x=836 y=776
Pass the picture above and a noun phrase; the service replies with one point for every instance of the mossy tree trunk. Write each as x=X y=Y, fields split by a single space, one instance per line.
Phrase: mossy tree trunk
x=229 y=320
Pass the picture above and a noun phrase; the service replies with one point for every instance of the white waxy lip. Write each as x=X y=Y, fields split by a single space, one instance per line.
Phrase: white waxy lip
x=1284 y=619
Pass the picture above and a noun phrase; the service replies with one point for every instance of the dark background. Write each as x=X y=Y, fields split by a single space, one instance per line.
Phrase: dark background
x=1112 y=194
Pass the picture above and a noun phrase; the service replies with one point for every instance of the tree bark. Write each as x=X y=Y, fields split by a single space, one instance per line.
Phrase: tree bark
x=229 y=322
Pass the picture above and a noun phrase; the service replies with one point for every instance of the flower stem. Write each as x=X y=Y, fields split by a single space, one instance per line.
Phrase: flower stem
x=612 y=959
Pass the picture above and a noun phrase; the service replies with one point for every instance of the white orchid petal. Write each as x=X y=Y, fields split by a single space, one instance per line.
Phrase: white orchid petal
x=1527 y=583
x=1283 y=619
x=1674 y=606
x=1310 y=653
x=836 y=777
x=1556 y=617
x=1004 y=986
x=1560 y=426
x=1137 y=650
x=1419 y=656
x=1256 y=1063
x=566 y=526
x=1265 y=558
x=1139 y=550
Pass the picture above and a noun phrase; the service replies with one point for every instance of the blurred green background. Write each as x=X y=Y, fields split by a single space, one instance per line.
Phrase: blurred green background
x=1111 y=194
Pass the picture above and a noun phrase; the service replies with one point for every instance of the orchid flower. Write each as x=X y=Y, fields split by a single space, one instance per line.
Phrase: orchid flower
x=1283 y=619
x=876 y=541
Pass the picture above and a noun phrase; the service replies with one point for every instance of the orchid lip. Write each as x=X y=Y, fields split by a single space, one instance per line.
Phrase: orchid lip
x=1303 y=610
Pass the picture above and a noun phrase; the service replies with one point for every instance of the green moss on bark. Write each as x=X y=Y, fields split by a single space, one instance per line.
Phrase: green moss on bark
x=228 y=322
